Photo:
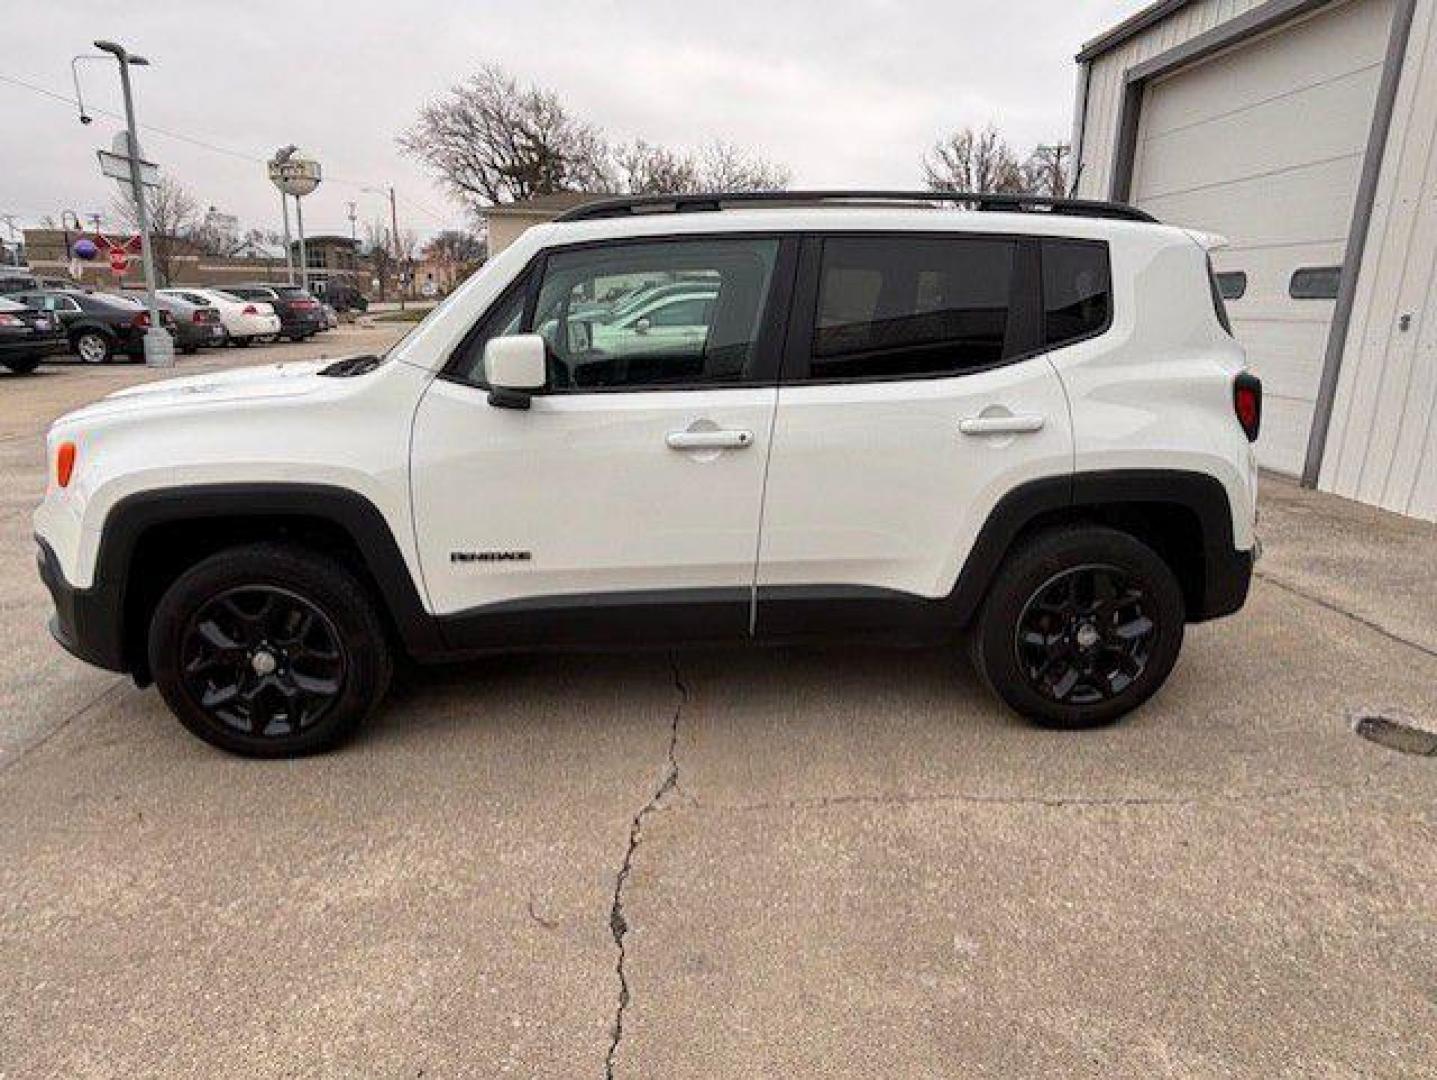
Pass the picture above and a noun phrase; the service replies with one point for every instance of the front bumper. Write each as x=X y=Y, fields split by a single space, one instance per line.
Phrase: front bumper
x=89 y=623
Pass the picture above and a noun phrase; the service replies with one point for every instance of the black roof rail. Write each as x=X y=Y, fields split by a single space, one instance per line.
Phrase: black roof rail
x=718 y=200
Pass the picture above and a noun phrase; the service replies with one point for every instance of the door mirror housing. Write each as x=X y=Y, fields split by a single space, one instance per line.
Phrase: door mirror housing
x=514 y=367
x=643 y=326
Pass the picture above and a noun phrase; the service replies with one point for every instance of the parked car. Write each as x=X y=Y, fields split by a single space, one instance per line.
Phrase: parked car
x=331 y=317
x=298 y=311
x=98 y=326
x=16 y=279
x=27 y=337
x=1027 y=429
x=197 y=325
x=244 y=321
x=344 y=295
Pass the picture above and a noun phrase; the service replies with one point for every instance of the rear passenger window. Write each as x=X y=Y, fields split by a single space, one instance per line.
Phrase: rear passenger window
x=1077 y=290
x=910 y=307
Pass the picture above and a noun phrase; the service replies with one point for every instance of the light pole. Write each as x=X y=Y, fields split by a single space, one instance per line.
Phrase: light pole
x=159 y=346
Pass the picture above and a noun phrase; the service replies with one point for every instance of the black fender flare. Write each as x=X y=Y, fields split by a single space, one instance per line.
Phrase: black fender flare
x=1227 y=571
x=132 y=516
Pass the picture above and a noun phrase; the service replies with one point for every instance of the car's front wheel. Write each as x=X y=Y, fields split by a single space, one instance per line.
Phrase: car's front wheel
x=1083 y=624
x=269 y=650
x=93 y=347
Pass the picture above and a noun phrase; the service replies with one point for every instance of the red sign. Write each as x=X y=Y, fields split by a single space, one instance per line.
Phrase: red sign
x=119 y=261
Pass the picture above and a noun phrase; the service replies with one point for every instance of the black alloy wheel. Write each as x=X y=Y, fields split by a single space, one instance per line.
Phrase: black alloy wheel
x=269 y=650
x=263 y=660
x=1085 y=636
x=1082 y=624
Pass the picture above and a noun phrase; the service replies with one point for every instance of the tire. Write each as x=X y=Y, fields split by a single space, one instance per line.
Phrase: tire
x=1081 y=626
x=241 y=342
x=92 y=347
x=24 y=366
x=314 y=628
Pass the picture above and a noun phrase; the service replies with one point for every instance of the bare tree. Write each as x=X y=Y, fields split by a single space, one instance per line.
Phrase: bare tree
x=174 y=213
x=645 y=169
x=724 y=167
x=381 y=254
x=1046 y=170
x=491 y=140
x=968 y=160
x=457 y=246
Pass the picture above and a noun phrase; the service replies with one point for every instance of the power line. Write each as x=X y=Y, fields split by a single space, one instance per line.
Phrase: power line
x=213 y=147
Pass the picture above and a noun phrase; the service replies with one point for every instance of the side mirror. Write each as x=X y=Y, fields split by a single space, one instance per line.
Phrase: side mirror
x=643 y=326
x=514 y=368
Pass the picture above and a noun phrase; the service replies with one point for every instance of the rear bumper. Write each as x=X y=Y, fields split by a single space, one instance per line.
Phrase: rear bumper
x=87 y=622
x=1227 y=575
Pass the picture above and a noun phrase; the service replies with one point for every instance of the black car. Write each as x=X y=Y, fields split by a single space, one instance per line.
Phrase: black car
x=98 y=325
x=27 y=336
x=299 y=312
x=343 y=295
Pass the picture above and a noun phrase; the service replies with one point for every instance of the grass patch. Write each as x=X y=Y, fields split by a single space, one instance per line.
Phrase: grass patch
x=407 y=315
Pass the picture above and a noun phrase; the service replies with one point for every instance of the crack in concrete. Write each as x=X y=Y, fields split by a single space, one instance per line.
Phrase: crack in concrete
x=26 y=749
x=823 y=802
x=1337 y=609
x=618 y=923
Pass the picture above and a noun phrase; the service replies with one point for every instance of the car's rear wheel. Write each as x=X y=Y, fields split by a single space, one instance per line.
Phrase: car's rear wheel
x=93 y=347
x=269 y=651
x=241 y=342
x=1082 y=626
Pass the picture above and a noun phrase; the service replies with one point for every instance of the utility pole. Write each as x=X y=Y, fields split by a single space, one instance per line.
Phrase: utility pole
x=398 y=258
x=352 y=238
x=159 y=346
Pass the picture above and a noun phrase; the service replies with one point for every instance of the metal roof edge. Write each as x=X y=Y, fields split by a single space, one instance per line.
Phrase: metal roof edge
x=1129 y=28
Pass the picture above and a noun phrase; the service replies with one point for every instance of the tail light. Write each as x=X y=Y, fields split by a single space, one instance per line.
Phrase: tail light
x=141 y=320
x=1247 y=404
x=199 y=316
x=10 y=320
x=65 y=464
x=250 y=309
x=305 y=305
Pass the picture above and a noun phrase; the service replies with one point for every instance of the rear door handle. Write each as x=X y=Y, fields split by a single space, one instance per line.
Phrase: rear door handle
x=1000 y=425
x=709 y=440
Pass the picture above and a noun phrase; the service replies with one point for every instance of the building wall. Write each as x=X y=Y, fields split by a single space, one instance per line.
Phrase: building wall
x=1107 y=74
x=1382 y=443
x=506 y=226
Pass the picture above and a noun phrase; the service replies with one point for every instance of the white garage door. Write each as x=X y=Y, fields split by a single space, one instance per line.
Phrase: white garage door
x=1264 y=144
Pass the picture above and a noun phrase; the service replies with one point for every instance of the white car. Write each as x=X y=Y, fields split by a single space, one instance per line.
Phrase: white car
x=1025 y=427
x=244 y=321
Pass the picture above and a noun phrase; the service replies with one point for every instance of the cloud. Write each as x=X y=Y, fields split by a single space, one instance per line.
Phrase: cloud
x=845 y=94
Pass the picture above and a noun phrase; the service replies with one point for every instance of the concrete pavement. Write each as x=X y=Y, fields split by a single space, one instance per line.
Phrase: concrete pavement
x=819 y=862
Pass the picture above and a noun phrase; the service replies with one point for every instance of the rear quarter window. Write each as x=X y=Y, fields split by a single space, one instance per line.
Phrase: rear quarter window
x=1077 y=290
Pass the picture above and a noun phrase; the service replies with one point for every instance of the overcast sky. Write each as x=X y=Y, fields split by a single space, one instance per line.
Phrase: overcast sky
x=844 y=94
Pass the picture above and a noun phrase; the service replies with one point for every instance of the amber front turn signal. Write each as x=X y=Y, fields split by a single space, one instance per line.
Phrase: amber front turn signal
x=65 y=463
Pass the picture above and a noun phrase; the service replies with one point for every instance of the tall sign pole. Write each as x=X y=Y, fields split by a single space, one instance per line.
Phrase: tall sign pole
x=159 y=346
x=288 y=254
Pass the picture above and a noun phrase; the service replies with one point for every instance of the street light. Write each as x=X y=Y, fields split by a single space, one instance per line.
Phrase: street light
x=159 y=347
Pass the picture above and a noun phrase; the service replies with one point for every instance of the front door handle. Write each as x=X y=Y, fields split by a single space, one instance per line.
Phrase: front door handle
x=1001 y=425
x=709 y=440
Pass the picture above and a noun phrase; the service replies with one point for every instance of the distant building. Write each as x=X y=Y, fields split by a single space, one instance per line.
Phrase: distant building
x=510 y=221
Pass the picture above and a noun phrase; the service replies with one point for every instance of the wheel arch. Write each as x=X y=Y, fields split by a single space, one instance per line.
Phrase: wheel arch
x=150 y=538
x=1184 y=516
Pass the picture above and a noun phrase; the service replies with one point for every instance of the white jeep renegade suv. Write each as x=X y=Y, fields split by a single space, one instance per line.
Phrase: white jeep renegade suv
x=1023 y=424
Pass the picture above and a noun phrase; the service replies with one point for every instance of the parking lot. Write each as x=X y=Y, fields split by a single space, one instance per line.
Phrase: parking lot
x=834 y=861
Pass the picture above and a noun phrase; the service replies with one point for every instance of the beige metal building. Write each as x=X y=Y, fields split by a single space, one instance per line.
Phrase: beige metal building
x=1303 y=131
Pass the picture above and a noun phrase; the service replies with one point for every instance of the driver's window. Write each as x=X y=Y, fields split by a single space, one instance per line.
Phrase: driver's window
x=654 y=314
